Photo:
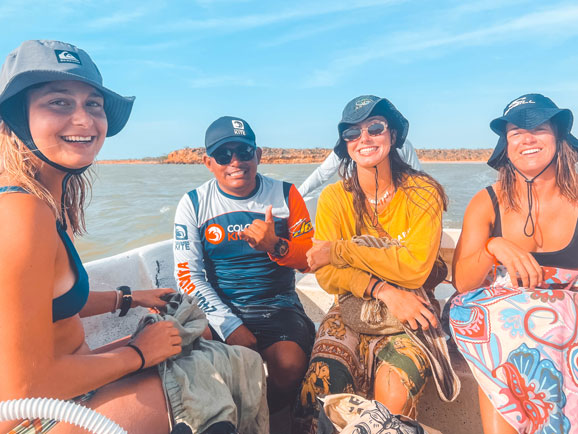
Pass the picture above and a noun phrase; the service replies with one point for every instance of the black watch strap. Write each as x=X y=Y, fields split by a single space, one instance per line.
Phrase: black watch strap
x=126 y=300
x=281 y=248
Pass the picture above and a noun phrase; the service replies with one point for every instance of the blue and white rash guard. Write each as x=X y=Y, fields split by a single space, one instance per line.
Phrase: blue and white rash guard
x=223 y=271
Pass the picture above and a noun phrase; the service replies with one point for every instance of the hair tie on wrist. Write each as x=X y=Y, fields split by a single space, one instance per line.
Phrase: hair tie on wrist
x=141 y=355
x=495 y=260
x=488 y=250
x=373 y=288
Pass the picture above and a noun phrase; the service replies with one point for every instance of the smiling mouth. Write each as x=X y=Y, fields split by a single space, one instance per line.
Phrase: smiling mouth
x=367 y=151
x=78 y=139
x=237 y=173
x=530 y=151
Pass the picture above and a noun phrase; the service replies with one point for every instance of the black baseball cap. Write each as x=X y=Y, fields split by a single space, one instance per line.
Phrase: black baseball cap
x=527 y=112
x=228 y=129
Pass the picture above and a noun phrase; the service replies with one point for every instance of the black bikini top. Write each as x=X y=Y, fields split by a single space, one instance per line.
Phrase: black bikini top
x=564 y=258
x=72 y=301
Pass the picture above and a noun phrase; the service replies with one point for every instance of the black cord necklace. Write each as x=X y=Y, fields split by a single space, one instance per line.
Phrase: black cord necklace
x=529 y=184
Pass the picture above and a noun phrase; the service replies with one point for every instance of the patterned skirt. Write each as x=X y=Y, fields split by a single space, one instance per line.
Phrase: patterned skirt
x=344 y=361
x=522 y=348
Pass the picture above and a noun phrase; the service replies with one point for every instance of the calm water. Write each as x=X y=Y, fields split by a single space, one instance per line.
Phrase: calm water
x=134 y=205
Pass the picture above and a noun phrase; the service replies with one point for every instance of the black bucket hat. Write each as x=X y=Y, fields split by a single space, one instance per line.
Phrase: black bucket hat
x=361 y=108
x=527 y=112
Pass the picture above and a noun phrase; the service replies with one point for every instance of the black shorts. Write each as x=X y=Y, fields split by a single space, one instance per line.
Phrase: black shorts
x=272 y=324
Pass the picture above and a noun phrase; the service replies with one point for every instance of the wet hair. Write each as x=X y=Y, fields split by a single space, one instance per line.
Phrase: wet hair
x=21 y=166
x=403 y=177
x=565 y=163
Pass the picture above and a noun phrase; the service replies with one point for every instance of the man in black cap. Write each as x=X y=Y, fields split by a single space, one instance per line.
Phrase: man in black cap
x=238 y=239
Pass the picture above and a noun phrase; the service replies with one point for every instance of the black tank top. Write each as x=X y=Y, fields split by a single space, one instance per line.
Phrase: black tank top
x=564 y=258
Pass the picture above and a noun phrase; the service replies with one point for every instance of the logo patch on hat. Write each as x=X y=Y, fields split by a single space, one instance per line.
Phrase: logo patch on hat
x=362 y=102
x=65 y=56
x=517 y=102
x=238 y=127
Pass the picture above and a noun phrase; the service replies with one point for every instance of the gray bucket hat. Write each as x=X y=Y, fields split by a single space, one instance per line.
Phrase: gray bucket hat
x=361 y=108
x=35 y=62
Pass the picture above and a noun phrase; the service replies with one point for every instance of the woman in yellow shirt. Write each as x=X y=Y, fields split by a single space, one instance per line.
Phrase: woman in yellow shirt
x=382 y=196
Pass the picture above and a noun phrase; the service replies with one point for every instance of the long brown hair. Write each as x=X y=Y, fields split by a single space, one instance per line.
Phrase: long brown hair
x=403 y=177
x=565 y=162
x=21 y=166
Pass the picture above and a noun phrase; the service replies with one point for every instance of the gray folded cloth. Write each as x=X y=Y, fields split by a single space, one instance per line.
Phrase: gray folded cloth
x=210 y=382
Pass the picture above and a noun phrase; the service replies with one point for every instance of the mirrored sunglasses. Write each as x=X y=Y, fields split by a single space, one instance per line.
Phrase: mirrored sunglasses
x=374 y=129
x=224 y=155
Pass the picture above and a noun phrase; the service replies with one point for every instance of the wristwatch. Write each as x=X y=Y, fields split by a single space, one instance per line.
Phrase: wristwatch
x=281 y=248
x=126 y=300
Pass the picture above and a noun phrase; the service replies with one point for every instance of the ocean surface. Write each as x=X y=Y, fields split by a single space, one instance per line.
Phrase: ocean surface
x=134 y=205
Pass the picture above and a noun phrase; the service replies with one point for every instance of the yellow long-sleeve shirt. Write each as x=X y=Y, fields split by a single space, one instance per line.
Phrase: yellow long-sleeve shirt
x=414 y=217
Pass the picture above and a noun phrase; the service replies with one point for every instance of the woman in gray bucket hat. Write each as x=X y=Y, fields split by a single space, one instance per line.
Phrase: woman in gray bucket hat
x=54 y=116
x=516 y=265
x=378 y=230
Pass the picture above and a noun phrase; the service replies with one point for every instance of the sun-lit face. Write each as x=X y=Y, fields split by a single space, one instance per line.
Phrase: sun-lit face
x=531 y=150
x=67 y=122
x=238 y=177
x=370 y=150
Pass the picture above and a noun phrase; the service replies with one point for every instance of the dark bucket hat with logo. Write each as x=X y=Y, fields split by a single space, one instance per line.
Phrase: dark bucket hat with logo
x=361 y=108
x=527 y=112
x=37 y=62
x=228 y=129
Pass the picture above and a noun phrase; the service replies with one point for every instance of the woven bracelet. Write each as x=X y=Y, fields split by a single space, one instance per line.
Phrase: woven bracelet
x=373 y=288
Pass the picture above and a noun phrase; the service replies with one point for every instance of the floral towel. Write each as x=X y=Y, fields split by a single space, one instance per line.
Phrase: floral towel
x=522 y=348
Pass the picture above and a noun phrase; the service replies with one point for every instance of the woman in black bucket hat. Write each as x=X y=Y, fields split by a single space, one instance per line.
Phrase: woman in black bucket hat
x=54 y=116
x=397 y=211
x=515 y=264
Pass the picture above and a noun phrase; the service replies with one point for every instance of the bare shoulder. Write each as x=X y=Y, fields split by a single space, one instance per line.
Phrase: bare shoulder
x=26 y=222
x=481 y=204
x=479 y=216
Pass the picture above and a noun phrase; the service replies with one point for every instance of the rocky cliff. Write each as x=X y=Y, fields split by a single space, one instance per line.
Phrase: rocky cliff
x=317 y=155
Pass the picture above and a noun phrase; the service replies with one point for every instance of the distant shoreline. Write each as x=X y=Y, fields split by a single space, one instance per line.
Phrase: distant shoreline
x=310 y=156
x=110 y=162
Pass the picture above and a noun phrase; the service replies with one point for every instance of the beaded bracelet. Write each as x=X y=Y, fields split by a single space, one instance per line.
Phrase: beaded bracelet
x=139 y=352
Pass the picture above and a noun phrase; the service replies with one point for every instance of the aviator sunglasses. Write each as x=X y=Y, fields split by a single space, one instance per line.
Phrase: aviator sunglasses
x=224 y=155
x=373 y=129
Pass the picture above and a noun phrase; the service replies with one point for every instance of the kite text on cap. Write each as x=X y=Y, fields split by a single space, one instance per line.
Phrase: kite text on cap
x=238 y=127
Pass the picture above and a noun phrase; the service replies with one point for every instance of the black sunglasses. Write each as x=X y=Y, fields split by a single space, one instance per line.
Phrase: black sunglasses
x=224 y=155
x=374 y=129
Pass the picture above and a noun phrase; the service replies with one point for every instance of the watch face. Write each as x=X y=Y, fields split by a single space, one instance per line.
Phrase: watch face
x=281 y=248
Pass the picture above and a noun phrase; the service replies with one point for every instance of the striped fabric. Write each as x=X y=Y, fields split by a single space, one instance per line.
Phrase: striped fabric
x=431 y=341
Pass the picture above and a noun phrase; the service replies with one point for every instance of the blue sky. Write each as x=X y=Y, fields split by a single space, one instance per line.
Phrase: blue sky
x=289 y=68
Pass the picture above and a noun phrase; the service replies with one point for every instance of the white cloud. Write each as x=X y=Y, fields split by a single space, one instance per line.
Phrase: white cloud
x=560 y=22
x=304 y=33
x=121 y=17
x=221 y=81
x=301 y=11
